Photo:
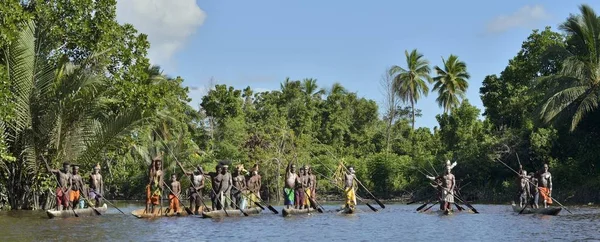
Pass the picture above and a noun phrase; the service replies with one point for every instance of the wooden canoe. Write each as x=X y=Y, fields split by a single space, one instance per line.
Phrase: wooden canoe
x=140 y=213
x=546 y=211
x=292 y=211
x=85 y=212
x=231 y=213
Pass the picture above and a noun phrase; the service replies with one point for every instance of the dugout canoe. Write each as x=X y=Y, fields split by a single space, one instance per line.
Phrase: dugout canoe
x=231 y=213
x=140 y=213
x=292 y=211
x=84 y=212
x=545 y=211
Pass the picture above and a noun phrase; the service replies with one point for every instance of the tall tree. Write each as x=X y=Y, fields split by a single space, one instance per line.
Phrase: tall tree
x=391 y=103
x=451 y=82
x=410 y=82
x=578 y=92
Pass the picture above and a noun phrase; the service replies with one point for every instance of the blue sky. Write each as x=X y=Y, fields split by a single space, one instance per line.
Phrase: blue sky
x=260 y=43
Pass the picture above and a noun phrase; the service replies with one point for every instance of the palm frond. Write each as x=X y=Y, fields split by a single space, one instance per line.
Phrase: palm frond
x=559 y=101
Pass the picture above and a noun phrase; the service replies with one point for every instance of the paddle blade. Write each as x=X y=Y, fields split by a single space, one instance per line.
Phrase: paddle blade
x=258 y=204
x=371 y=207
x=273 y=209
x=96 y=211
x=458 y=207
x=320 y=210
x=379 y=202
x=422 y=206
x=245 y=214
x=189 y=211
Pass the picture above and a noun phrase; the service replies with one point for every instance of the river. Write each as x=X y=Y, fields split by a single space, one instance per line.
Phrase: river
x=395 y=223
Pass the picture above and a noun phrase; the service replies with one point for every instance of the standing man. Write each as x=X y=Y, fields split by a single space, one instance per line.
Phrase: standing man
x=525 y=193
x=239 y=186
x=254 y=184
x=225 y=188
x=545 y=185
x=306 y=186
x=195 y=191
x=216 y=179
x=313 y=182
x=533 y=188
x=174 y=194
x=349 y=188
x=96 y=186
x=155 y=185
x=64 y=186
x=299 y=191
x=448 y=183
x=76 y=188
x=290 y=183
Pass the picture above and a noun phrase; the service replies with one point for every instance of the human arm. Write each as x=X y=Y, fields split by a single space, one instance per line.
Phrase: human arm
x=101 y=186
x=550 y=184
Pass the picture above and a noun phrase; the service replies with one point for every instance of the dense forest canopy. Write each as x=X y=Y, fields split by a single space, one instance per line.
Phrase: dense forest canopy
x=77 y=86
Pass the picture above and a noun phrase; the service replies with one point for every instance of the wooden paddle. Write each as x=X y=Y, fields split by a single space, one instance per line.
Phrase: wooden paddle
x=106 y=200
x=90 y=205
x=188 y=210
x=430 y=206
x=498 y=159
x=268 y=205
x=238 y=207
x=314 y=203
x=255 y=202
x=422 y=206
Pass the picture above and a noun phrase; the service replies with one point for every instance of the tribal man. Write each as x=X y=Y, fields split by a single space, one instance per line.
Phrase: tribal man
x=254 y=184
x=448 y=184
x=76 y=188
x=195 y=190
x=290 y=183
x=174 y=195
x=96 y=186
x=299 y=191
x=349 y=188
x=155 y=185
x=64 y=186
x=239 y=187
x=225 y=187
x=545 y=186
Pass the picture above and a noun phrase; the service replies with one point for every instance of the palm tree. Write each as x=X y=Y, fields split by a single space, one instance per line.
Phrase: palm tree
x=311 y=89
x=57 y=115
x=578 y=91
x=451 y=82
x=410 y=83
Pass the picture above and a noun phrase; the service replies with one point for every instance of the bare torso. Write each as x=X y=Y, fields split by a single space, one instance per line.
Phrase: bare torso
x=290 y=180
x=95 y=181
x=349 y=180
x=77 y=182
x=545 y=179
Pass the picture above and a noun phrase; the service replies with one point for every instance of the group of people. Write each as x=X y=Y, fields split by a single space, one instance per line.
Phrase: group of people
x=300 y=188
x=534 y=185
x=239 y=190
x=71 y=191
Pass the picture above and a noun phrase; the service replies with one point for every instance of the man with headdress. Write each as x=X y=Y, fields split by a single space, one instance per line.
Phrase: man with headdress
x=64 y=186
x=76 y=188
x=96 y=186
x=195 y=190
x=447 y=186
x=155 y=185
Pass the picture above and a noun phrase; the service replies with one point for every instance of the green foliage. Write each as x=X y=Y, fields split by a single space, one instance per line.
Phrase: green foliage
x=451 y=82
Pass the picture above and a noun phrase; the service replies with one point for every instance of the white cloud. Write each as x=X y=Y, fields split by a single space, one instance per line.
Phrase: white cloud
x=527 y=16
x=168 y=24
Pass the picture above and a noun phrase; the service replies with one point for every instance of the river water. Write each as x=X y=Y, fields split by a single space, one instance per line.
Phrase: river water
x=395 y=223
